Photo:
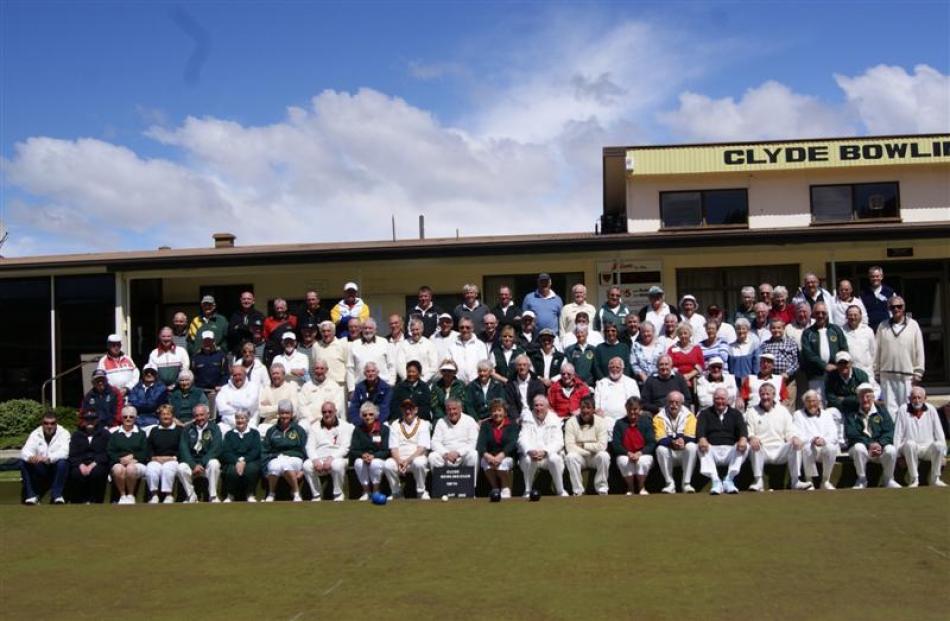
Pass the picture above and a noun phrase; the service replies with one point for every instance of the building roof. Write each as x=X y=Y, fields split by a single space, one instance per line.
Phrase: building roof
x=469 y=246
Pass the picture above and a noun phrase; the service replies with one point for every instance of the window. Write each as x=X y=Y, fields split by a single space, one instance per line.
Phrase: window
x=721 y=285
x=857 y=201
x=704 y=208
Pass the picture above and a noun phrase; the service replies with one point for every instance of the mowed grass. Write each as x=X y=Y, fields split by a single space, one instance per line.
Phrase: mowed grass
x=876 y=554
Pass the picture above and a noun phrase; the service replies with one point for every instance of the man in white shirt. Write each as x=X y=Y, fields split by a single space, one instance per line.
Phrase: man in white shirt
x=237 y=394
x=773 y=439
x=585 y=442
x=443 y=337
x=328 y=445
x=467 y=351
x=715 y=378
x=697 y=322
x=541 y=444
x=370 y=348
x=273 y=393
x=918 y=435
x=611 y=393
x=317 y=391
x=862 y=344
x=818 y=430
x=900 y=354
x=843 y=300
x=296 y=365
x=417 y=347
x=44 y=456
x=410 y=439
x=454 y=438
x=331 y=350
x=570 y=310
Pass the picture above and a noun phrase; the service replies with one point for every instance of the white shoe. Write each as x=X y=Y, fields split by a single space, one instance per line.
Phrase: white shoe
x=59 y=500
x=938 y=483
x=689 y=489
x=154 y=500
x=892 y=484
x=297 y=497
x=423 y=495
x=827 y=485
x=364 y=497
x=252 y=498
x=214 y=500
x=122 y=500
x=339 y=497
x=169 y=499
x=506 y=492
x=644 y=492
x=629 y=494
x=316 y=498
x=192 y=499
x=861 y=483
x=131 y=499
x=269 y=498
x=227 y=499
x=757 y=486
x=670 y=488
x=527 y=494
x=914 y=483
x=32 y=500
x=564 y=494
x=804 y=485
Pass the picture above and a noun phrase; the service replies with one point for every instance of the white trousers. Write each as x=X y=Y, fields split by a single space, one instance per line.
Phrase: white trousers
x=813 y=455
x=894 y=391
x=467 y=458
x=553 y=462
x=685 y=457
x=138 y=467
x=212 y=472
x=161 y=477
x=282 y=464
x=722 y=455
x=861 y=457
x=369 y=474
x=337 y=472
x=641 y=467
x=418 y=467
x=783 y=454
x=935 y=453
x=506 y=464
x=600 y=462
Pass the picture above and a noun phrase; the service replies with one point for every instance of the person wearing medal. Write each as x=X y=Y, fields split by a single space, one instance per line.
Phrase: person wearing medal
x=368 y=448
x=284 y=451
x=409 y=442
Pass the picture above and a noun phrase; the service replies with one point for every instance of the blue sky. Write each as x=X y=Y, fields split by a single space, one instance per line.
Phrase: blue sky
x=330 y=118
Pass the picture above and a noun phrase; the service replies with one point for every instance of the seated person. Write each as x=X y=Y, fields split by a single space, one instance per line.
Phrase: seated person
x=819 y=434
x=44 y=457
x=146 y=396
x=749 y=391
x=504 y=353
x=369 y=448
x=723 y=440
x=186 y=396
x=715 y=377
x=328 y=446
x=371 y=389
x=241 y=459
x=497 y=447
x=581 y=353
x=546 y=358
x=318 y=390
x=128 y=453
x=483 y=390
x=447 y=386
x=410 y=439
x=414 y=388
x=164 y=442
x=522 y=388
x=104 y=400
x=237 y=394
x=89 y=460
x=454 y=439
x=284 y=449
x=633 y=445
x=773 y=439
x=279 y=388
x=565 y=393
x=612 y=392
x=198 y=455
x=918 y=435
x=659 y=385
x=675 y=430
x=870 y=434
x=541 y=444
x=585 y=443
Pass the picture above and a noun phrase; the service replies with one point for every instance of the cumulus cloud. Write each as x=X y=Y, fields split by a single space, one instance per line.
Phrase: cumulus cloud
x=889 y=100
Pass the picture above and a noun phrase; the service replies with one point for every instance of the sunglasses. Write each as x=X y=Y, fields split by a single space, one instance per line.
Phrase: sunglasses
x=128 y=418
x=896 y=306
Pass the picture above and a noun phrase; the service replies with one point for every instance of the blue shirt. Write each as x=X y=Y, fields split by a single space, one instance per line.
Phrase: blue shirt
x=547 y=310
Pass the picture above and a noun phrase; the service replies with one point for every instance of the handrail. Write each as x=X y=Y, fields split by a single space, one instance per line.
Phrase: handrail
x=61 y=374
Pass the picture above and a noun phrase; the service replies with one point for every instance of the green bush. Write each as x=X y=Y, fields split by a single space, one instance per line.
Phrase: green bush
x=67 y=417
x=19 y=416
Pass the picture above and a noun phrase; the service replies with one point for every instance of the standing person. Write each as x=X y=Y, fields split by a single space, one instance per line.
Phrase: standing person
x=444 y=337
x=713 y=345
x=471 y=307
x=749 y=390
x=746 y=308
x=239 y=327
x=811 y=291
x=45 y=457
x=581 y=353
x=645 y=353
x=781 y=309
x=578 y=304
x=594 y=338
x=241 y=459
x=498 y=448
x=585 y=444
x=547 y=359
x=715 y=378
x=870 y=435
x=862 y=343
x=208 y=320
x=541 y=444
x=296 y=364
x=900 y=354
x=612 y=347
x=743 y=352
x=120 y=369
x=633 y=444
x=483 y=390
x=765 y=294
x=545 y=304
x=257 y=373
x=417 y=348
x=876 y=297
x=447 y=386
x=489 y=334
x=89 y=460
x=658 y=386
x=168 y=359
x=127 y=450
x=507 y=312
x=843 y=300
x=689 y=313
x=284 y=449
x=414 y=389
x=279 y=389
x=328 y=445
x=503 y=355
x=918 y=435
x=674 y=429
x=312 y=312
x=761 y=324
x=657 y=309
x=522 y=389
x=785 y=357
x=279 y=322
x=198 y=455
x=723 y=440
x=210 y=366
x=333 y=351
x=237 y=394
x=371 y=389
x=818 y=430
x=467 y=351
x=613 y=311
x=370 y=348
x=350 y=306
x=425 y=311
x=612 y=393
x=821 y=342
x=179 y=330
x=687 y=357
x=314 y=395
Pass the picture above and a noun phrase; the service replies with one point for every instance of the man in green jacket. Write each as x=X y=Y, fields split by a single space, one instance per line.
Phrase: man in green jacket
x=448 y=386
x=870 y=435
x=186 y=397
x=821 y=342
x=841 y=385
x=209 y=319
x=241 y=458
x=198 y=455
x=285 y=448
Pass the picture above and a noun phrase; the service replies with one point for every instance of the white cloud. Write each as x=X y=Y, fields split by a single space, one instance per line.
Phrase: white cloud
x=891 y=101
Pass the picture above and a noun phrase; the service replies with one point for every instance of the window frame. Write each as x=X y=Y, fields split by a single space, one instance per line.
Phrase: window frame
x=854 y=219
x=702 y=208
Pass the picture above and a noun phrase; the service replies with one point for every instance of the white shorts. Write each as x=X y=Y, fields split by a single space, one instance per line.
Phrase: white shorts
x=506 y=464
x=284 y=463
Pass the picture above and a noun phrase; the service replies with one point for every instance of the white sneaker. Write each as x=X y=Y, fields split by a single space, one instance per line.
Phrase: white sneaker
x=861 y=483
x=629 y=494
x=689 y=489
x=214 y=500
x=32 y=500
x=564 y=494
x=938 y=483
x=914 y=483
x=527 y=494
x=297 y=497
x=227 y=499
x=757 y=486
x=670 y=488
x=827 y=485
x=423 y=495
x=154 y=500
x=192 y=498
x=804 y=485
x=603 y=492
x=892 y=484
x=364 y=497
x=644 y=492
x=339 y=497
x=252 y=498
x=506 y=492
x=316 y=498
x=169 y=499
x=59 y=500
x=131 y=499
x=269 y=498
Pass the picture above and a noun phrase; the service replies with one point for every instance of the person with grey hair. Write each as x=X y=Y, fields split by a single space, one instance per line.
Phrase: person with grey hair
x=331 y=350
x=811 y=291
x=612 y=392
x=918 y=435
x=541 y=444
x=370 y=348
x=128 y=455
x=483 y=390
x=328 y=446
x=522 y=389
x=802 y=320
x=582 y=353
x=844 y=299
x=201 y=445
x=277 y=390
x=455 y=438
x=369 y=449
x=284 y=449
x=471 y=307
x=237 y=394
x=743 y=352
x=318 y=390
x=467 y=351
x=781 y=309
x=773 y=439
x=760 y=323
x=570 y=310
x=870 y=435
x=818 y=431
x=185 y=397
x=899 y=358
x=416 y=346
x=241 y=459
x=746 y=309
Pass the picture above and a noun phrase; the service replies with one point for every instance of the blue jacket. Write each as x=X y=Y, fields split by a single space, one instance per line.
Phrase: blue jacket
x=547 y=310
x=210 y=369
x=146 y=399
x=876 y=308
x=381 y=396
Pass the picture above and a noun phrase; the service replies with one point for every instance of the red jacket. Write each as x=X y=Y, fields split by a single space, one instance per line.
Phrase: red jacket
x=271 y=323
x=564 y=405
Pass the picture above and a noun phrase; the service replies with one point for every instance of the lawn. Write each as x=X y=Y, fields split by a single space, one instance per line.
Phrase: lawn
x=874 y=554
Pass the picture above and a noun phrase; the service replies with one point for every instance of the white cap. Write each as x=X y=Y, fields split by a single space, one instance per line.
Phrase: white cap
x=688 y=296
x=448 y=365
x=767 y=357
x=865 y=387
x=528 y=313
x=842 y=356
x=715 y=360
x=350 y=285
x=207 y=334
x=445 y=316
x=114 y=338
x=288 y=335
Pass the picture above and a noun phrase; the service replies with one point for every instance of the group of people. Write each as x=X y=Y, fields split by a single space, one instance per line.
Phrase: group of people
x=302 y=396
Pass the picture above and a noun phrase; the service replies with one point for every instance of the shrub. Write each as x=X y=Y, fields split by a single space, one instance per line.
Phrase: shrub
x=67 y=417
x=19 y=416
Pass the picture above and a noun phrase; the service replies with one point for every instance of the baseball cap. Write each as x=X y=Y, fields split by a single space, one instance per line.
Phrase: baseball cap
x=207 y=334
x=208 y=299
x=288 y=335
x=842 y=356
x=714 y=361
x=767 y=357
x=90 y=415
x=114 y=338
x=528 y=313
x=149 y=370
x=544 y=276
x=445 y=316
x=98 y=373
x=655 y=290
x=448 y=365
x=865 y=387
x=546 y=332
x=688 y=296
x=350 y=285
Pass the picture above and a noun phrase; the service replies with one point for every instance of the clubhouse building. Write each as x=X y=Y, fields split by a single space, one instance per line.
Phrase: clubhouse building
x=702 y=219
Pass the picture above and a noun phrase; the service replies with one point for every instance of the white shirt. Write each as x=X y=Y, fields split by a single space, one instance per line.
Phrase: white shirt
x=698 y=323
x=37 y=446
x=569 y=312
x=837 y=311
x=362 y=352
x=610 y=396
x=594 y=338
x=807 y=428
x=294 y=361
x=443 y=344
x=773 y=428
x=406 y=438
x=460 y=437
x=333 y=442
x=121 y=372
x=544 y=436
x=467 y=355
x=656 y=316
x=923 y=430
x=269 y=397
x=705 y=389
x=312 y=396
x=726 y=332
x=230 y=399
x=862 y=346
x=334 y=354
x=422 y=351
